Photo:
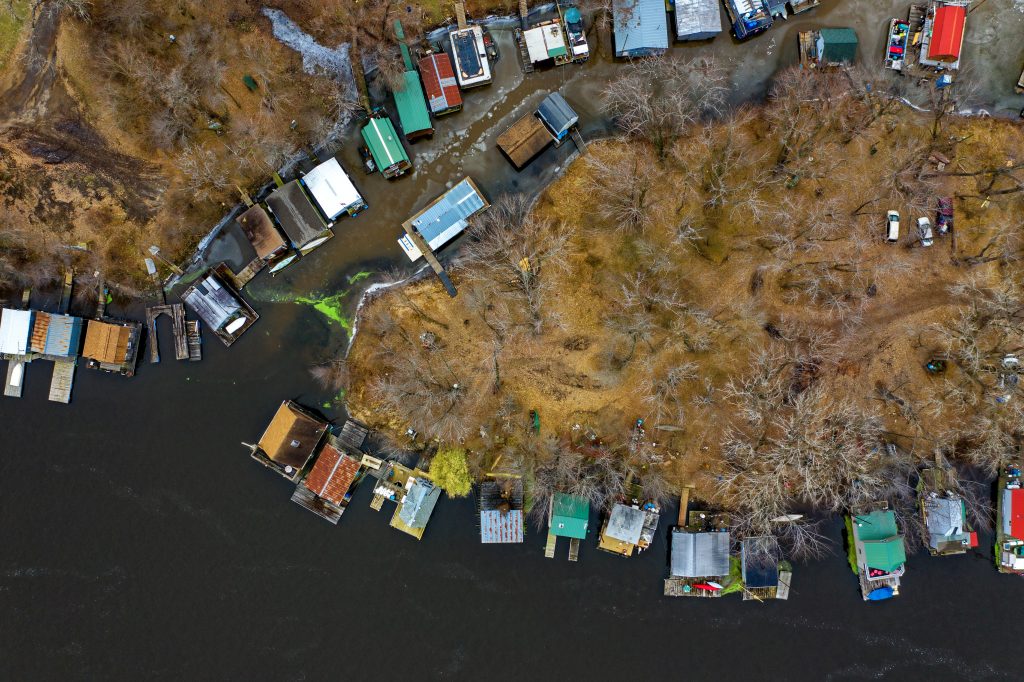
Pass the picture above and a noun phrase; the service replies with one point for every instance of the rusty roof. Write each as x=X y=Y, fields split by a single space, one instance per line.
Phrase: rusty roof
x=524 y=140
x=332 y=475
x=259 y=229
x=106 y=342
x=292 y=436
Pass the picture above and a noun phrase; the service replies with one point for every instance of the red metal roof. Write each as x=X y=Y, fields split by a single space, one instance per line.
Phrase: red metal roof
x=1016 y=512
x=332 y=475
x=439 y=83
x=947 y=33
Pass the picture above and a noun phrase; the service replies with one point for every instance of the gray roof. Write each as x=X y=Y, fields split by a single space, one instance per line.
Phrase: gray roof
x=699 y=555
x=760 y=562
x=452 y=209
x=212 y=301
x=945 y=519
x=640 y=26
x=698 y=17
x=419 y=503
x=296 y=214
x=625 y=524
x=556 y=113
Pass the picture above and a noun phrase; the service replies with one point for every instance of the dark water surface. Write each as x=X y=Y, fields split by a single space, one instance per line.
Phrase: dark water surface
x=139 y=541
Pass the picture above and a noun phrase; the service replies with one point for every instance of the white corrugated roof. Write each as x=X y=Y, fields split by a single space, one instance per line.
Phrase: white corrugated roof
x=15 y=328
x=331 y=188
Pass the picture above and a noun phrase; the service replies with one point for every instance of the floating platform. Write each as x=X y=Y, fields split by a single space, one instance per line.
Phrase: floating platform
x=176 y=312
x=63 y=379
x=195 y=340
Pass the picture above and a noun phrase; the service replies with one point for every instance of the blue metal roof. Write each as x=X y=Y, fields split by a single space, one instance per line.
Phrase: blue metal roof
x=557 y=114
x=63 y=336
x=499 y=527
x=452 y=209
x=641 y=27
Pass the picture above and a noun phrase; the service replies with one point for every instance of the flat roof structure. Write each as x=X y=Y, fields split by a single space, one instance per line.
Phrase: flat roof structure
x=699 y=555
x=258 y=227
x=546 y=42
x=290 y=440
x=15 y=328
x=223 y=310
x=524 y=139
x=472 y=67
x=413 y=513
x=332 y=190
x=698 y=19
x=439 y=82
x=570 y=516
x=56 y=335
x=445 y=217
x=640 y=27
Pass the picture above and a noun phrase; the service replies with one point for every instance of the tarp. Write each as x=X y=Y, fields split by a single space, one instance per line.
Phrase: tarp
x=15 y=327
x=331 y=188
x=947 y=33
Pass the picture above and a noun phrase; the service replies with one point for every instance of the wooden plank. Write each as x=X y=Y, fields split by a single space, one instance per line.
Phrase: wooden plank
x=63 y=379
x=785 y=580
x=549 y=548
x=377 y=502
x=65 y=297
x=428 y=255
x=460 y=15
x=195 y=340
x=684 y=503
x=574 y=549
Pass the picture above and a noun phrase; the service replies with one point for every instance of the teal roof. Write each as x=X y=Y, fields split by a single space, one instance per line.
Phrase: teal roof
x=885 y=555
x=412 y=105
x=382 y=140
x=878 y=525
x=840 y=44
x=569 y=515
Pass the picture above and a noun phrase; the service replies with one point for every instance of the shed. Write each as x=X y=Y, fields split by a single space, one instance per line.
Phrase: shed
x=412 y=108
x=445 y=217
x=15 y=327
x=557 y=115
x=837 y=45
x=259 y=229
x=332 y=190
x=524 y=139
x=699 y=555
x=501 y=511
x=640 y=27
x=546 y=42
x=302 y=223
x=56 y=335
x=569 y=516
x=290 y=440
x=439 y=82
x=945 y=520
x=625 y=524
x=332 y=475
x=385 y=147
x=1013 y=513
x=885 y=555
x=220 y=308
x=698 y=19
x=947 y=33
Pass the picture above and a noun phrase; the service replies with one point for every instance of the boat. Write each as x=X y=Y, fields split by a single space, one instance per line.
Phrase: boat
x=880 y=594
x=896 y=45
x=748 y=17
x=577 y=35
x=16 y=374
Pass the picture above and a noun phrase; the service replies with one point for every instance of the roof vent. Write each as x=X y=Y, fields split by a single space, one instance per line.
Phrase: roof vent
x=295 y=443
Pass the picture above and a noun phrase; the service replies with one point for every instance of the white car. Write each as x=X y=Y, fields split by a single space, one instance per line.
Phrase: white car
x=892 y=234
x=924 y=231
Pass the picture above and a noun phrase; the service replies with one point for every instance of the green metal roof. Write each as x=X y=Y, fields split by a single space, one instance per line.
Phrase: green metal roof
x=878 y=525
x=840 y=44
x=382 y=140
x=569 y=516
x=885 y=555
x=412 y=105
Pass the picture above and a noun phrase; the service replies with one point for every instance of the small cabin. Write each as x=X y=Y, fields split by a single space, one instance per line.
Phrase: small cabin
x=943 y=36
x=258 y=227
x=444 y=218
x=290 y=440
x=557 y=115
x=414 y=510
x=629 y=529
x=524 y=139
x=327 y=489
x=501 y=511
x=112 y=345
x=546 y=43
x=15 y=328
x=55 y=335
x=332 y=190
x=222 y=309
x=879 y=551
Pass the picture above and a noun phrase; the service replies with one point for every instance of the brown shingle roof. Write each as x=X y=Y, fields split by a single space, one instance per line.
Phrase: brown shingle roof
x=260 y=231
x=292 y=436
x=105 y=342
x=332 y=475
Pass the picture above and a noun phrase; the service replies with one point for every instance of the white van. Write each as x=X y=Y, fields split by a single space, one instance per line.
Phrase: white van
x=892 y=234
x=924 y=231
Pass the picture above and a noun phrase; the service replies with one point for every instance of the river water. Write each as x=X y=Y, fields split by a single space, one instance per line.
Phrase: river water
x=139 y=541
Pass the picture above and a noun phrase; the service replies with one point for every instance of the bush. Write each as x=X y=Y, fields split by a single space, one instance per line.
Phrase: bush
x=450 y=471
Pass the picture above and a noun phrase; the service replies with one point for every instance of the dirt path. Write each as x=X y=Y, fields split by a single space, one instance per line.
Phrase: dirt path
x=29 y=98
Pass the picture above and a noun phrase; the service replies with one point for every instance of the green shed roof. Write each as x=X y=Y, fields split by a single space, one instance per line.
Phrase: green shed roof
x=382 y=140
x=878 y=525
x=885 y=555
x=840 y=44
x=412 y=105
x=569 y=515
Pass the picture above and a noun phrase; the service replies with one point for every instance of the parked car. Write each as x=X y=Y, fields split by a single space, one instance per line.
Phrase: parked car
x=892 y=233
x=924 y=231
x=944 y=217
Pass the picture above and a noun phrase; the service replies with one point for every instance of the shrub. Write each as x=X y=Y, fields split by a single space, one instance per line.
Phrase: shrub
x=450 y=471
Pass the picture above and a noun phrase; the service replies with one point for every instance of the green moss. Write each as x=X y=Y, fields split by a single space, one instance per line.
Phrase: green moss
x=12 y=21
x=734 y=583
x=359 y=277
x=851 y=551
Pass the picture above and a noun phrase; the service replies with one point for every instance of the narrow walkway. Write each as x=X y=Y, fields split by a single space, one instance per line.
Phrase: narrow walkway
x=63 y=379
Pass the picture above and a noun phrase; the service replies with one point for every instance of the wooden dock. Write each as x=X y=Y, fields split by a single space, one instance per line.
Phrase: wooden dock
x=428 y=255
x=574 y=549
x=63 y=379
x=785 y=580
x=549 y=548
x=65 y=296
x=12 y=390
x=377 y=502
x=683 y=587
x=195 y=340
x=460 y=16
x=176 y=312
x=352 y=437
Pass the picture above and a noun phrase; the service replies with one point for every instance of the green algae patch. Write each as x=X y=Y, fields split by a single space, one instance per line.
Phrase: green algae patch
x=359 y=276
x=330 y=307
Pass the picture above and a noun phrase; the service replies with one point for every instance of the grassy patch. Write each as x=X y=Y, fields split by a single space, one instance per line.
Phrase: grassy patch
x=851 y=550
x=12 y=22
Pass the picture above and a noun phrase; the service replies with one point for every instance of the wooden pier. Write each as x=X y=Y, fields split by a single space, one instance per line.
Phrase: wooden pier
x=549 y=547
x=176 y=312
x=63 y=379
x=785 y=580
x=195 y=340
x=428 y=255
x=12 y=389
x=65 y=296
x=574 y=549
x=353 y=434
x=460 y=16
